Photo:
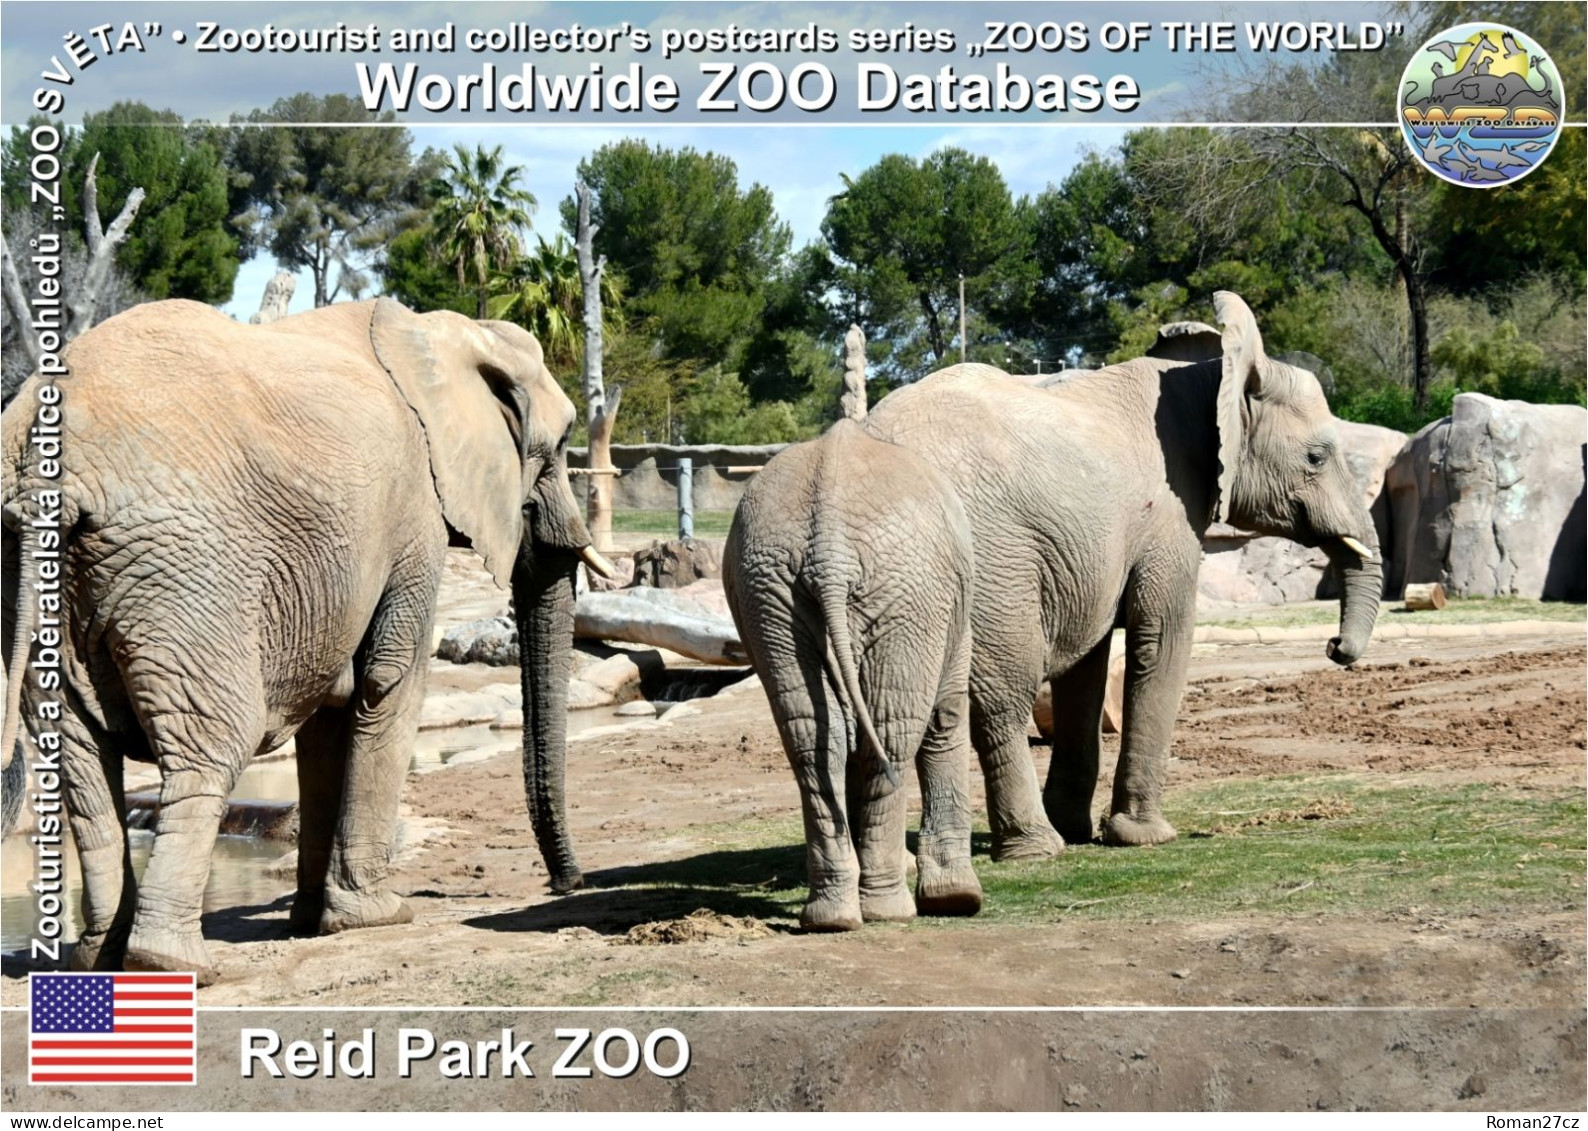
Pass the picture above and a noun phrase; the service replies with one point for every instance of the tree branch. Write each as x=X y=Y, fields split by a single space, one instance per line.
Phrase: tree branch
x=17 y=303
x=102 y=245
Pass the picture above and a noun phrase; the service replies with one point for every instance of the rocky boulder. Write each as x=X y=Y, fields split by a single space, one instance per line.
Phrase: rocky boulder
x=1489 y=502
x=490 y=640
x=676 y=563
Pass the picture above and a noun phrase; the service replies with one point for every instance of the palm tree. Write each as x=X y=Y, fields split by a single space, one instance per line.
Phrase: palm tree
x=543 y=294
x=479 y=213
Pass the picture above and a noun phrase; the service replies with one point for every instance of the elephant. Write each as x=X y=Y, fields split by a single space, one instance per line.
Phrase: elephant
x=251 y=525
x=1088 y=502
x=848 y=570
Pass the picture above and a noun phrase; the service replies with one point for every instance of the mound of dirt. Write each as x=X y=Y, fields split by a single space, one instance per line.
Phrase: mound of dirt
x=1324 y=809
x=698 y=926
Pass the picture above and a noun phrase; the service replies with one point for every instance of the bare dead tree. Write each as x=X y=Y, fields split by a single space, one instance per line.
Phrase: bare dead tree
x=84 y=299
x=1364 y=168
x=854 y=398
x=277 y=297
x=601 y=411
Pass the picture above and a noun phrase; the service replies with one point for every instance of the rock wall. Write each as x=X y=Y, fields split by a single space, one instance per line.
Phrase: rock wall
x=647 y=476
x=1489 y=502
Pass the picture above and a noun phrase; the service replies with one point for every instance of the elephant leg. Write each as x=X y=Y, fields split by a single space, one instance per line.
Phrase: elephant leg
x=322 y=744
x=1077 y=743
x=91 y=764
x=1158 y=649
x=790 y=653
x=201 y=746
x=945 y=882
x=393 y=672
x=877 y=822
x=1007 y=664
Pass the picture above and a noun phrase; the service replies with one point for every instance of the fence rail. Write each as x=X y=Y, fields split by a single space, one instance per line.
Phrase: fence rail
x=683 y=470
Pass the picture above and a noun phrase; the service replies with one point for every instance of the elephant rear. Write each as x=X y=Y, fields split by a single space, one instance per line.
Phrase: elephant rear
x=849 y=570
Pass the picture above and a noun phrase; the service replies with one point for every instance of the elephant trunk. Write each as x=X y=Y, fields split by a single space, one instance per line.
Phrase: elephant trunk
x=1362 y=583
x=543 y=599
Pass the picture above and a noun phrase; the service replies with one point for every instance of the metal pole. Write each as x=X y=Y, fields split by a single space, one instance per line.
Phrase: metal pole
x=962 y=316
x=686 y=498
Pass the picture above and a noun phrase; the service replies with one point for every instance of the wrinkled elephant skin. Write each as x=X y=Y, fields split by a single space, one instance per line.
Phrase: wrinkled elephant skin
x=255 y=520
x=1087 y=504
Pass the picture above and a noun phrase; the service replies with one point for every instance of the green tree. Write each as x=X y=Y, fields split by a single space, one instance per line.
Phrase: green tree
x=717 y=409
x=906 y=231
x=479 y=212
x=327 y=198
x=542 y=292
x=182 y=245
x=15 y=193
x=412 y=273
x=695 y=250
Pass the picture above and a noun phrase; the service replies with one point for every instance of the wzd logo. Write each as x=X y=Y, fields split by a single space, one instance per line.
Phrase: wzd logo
x=1480 y=105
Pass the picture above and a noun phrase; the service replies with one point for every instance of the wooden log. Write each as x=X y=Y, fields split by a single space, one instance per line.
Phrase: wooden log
x=1114 y=697
x=1113 y=702
x=1429 y=595
x=657 y=618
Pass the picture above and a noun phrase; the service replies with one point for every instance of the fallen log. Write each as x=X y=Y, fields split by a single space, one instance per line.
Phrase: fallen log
x=661 y=619
x=1430 y=595
x=1113 y=702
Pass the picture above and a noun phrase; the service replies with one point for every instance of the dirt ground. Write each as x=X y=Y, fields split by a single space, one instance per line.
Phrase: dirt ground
x=1501 y=993
x=487 y=932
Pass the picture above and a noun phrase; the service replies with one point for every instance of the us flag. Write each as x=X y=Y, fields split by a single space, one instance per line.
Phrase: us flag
x=111 y=1028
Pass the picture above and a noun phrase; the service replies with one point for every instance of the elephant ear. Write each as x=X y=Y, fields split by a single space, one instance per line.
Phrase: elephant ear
x=466 y=403
x=1244 y=363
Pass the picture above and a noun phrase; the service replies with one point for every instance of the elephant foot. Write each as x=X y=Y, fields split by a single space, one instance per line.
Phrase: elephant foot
x=566 y=882
x=348 y=911
x=828 y=914
x=1123 y=830
x=307 y=907
x=169 y=951
x=951 y=889
x=99 y=950
x=889 y=905
x=1078 y=828
x=1036 y=845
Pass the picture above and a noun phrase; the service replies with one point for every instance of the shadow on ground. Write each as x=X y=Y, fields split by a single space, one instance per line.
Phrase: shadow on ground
x=738 y=882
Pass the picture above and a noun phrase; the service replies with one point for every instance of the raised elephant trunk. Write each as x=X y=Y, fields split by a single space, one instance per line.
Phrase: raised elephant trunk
x=1362 y=582
x=543 y=599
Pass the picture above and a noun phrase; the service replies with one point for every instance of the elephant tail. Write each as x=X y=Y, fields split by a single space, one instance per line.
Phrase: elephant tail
x=13 y=778
x=841 y=667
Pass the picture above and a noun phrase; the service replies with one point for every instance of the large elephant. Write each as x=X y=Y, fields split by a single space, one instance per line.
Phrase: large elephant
x=1088 y=502
x=253 y=522
x=848 y=569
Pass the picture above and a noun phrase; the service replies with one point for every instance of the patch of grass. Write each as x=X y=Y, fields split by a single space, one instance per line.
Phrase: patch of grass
x=1476 y=610
x=619 y=986
x=1250 y=846
x=664 y=524
x=1333 y=843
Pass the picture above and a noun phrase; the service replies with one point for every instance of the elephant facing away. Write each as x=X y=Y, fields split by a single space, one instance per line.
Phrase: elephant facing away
x=848 y=570
x=253 y=524
x=1087 y=503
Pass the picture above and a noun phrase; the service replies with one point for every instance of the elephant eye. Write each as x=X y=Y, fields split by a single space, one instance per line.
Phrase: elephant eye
x=1317 y=457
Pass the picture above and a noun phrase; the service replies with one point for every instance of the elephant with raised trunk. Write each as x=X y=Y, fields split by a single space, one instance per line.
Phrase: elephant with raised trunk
x=848 y=569
x=253 y=522
x=1088 y=503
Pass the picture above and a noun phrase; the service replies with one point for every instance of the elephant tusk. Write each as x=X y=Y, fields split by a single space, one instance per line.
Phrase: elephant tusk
x=596 y=562
x=1357 y=548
